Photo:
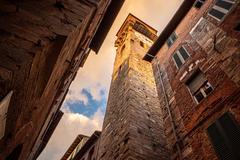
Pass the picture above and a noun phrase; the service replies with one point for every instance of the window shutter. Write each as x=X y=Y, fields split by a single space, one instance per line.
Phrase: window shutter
x=224 y=4
x=216 y=13
x=221 y=8
x=196 y=81
x=173 y=37
x=225 y=136
x=177 y=60
x=169 y=43
x=183 y=53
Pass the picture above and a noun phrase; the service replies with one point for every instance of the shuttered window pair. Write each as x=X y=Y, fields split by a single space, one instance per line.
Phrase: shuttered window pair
x=180 y=56
x=221 y=9
x=225 y=137
x=199 y=86
x=171 y=39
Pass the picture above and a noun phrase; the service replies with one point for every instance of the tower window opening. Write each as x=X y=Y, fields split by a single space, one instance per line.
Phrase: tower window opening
x=141 y=44
x=123 y=49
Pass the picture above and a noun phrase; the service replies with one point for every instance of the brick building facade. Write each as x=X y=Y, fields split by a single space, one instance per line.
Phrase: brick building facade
x=197 y=71
x=84 y=149
x=42 y=45
x=196 y=66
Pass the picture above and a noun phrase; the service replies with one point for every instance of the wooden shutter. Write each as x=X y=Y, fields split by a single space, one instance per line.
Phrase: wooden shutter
x=177 y=60
x=225 y=137
x=196 y=81
x=171 y=39
x=216 y=13
x=184 y=53
x=224 y=4
x=221 y=8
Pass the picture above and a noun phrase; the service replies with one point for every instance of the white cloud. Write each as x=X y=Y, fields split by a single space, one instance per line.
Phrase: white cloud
x=96 y=75
x=69 y=127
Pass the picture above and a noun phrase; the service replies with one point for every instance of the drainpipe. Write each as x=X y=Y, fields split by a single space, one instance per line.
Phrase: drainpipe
x=169 y=111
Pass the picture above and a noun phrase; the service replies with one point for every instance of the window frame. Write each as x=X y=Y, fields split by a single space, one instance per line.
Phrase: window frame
x=201 y=89
x=199 y=1
x=170 y=39
x=237 y=27
x=177 y=52
x=220 y=9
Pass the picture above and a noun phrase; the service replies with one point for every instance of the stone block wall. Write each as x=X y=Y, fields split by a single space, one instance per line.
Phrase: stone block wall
x=133 y=125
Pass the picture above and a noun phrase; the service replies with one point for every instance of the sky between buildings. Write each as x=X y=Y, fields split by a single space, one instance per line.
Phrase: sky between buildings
x=85 y=103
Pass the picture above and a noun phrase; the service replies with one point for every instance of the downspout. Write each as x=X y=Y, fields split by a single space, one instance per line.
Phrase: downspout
x=169 y=111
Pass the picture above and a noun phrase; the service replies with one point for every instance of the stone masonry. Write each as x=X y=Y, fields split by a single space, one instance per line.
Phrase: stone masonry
x=133 y=127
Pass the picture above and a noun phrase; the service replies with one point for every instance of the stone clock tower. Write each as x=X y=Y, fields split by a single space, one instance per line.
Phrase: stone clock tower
x=133 y=127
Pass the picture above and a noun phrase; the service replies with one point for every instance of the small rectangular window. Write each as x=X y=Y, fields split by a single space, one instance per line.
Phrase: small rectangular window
x=141 y=44
x=237 y=28
x=199 y=86
x=221 y=9
x=199 y=3
x=225 y=137
x=171 y=39
x=180 y=56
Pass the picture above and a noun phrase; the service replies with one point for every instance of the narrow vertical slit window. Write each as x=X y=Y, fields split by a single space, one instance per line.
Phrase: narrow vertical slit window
x=141 y=44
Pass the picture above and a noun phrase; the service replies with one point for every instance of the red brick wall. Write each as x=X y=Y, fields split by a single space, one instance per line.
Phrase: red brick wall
x=218 y=61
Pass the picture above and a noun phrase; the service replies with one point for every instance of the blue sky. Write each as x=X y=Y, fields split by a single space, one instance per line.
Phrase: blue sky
x=85 y=104
x=88 y=109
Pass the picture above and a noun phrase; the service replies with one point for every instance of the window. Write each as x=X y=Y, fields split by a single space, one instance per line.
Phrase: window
x=199 y=87
x=141 y=44
x=123 y=48
x=237 y=28
x=225 y=137
x=180 y=57
x=221 y=9
x=199 y=3
x=171 y=39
